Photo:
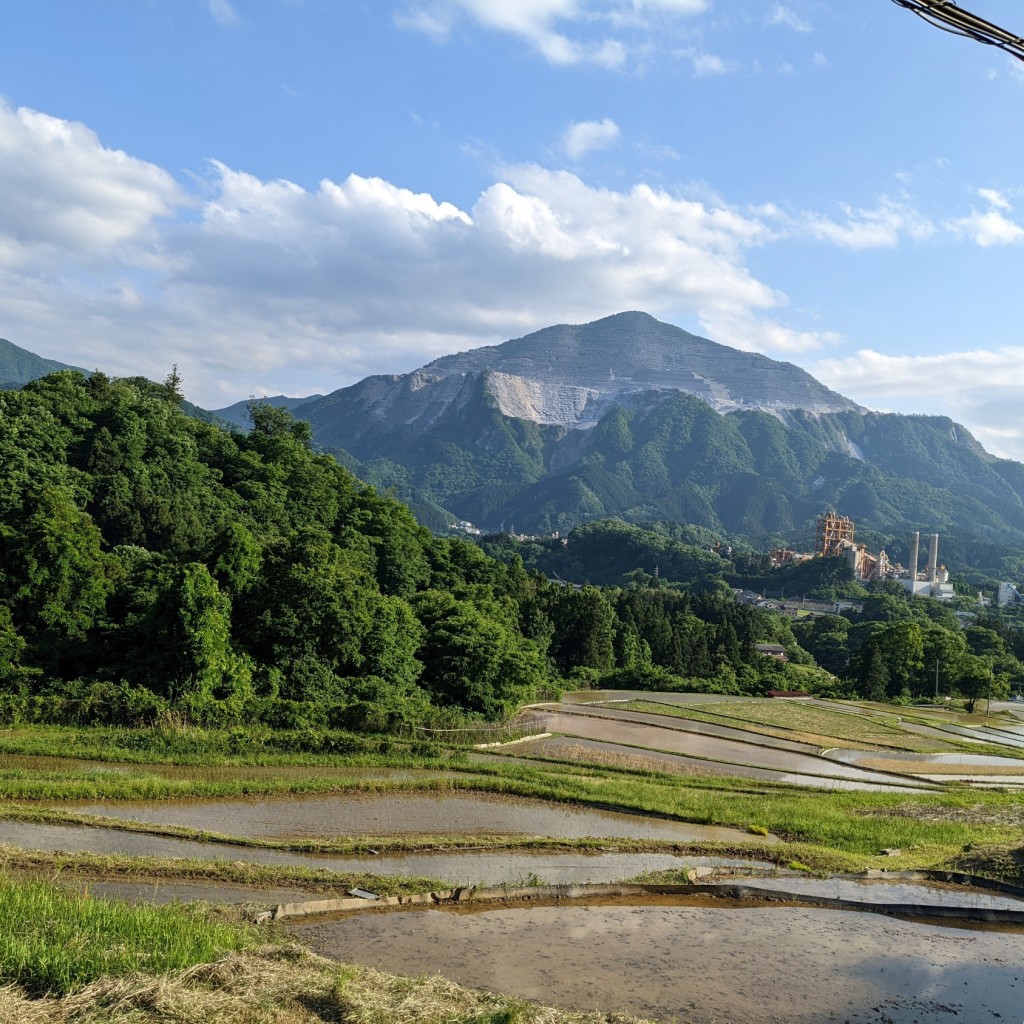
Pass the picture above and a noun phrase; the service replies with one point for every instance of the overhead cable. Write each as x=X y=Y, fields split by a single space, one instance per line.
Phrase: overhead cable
x=949 y=17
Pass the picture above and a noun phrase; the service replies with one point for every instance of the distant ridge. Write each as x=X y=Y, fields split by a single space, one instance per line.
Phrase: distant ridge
x=238 y=414
x=18 y=366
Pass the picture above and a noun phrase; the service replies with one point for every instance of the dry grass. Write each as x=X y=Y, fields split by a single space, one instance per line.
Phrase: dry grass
x=283 y=986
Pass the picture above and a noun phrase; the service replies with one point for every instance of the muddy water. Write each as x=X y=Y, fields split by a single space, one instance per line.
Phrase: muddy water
x=684 y=741
x=391 y=814
x=495 y=867
x=675 y=963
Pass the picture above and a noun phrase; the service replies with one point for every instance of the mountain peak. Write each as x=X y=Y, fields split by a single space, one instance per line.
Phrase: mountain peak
x=632 y=352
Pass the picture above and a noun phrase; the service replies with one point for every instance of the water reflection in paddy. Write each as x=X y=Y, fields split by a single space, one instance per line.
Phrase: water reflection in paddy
x=495 y=867
x=389 y=814
x=758 y=965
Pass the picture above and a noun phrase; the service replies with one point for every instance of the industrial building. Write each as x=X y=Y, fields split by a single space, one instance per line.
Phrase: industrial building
x=935 y=581
x=835 y=539
x=1008 y=595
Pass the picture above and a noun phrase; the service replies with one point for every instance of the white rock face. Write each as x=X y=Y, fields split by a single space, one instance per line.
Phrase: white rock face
x=543 y=402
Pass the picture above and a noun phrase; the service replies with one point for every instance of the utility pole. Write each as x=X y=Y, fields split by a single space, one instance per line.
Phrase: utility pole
x=936 y=680
x=945 y=14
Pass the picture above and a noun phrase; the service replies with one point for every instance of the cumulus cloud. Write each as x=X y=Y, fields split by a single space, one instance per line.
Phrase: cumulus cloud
x=982 y=388
x=62 y=193
x=252 y=285
x=561 y=31
x=265 y=282
x=584 y=137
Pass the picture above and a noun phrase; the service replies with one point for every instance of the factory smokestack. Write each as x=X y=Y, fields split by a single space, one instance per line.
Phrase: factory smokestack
x=915 y=544
x=933 y=558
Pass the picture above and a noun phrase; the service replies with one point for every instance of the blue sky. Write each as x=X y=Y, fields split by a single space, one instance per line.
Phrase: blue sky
x=288 y=195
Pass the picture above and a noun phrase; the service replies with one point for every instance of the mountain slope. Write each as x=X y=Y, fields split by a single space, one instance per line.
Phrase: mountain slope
x=631 y=418
x=18 y=366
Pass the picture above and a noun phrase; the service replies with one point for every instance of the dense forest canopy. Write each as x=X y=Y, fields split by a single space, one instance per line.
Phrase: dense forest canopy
x=154 y=563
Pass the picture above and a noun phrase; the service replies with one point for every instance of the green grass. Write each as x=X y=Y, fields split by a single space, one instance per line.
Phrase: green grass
x=53 y=941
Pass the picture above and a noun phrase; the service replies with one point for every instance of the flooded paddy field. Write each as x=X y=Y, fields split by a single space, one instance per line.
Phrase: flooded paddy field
x=476 y=867
x=395 y=814
x=700 y=964
x=618 y=754
x=676 y=736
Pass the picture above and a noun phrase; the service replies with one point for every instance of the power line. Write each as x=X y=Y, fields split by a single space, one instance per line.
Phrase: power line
x=946 y=15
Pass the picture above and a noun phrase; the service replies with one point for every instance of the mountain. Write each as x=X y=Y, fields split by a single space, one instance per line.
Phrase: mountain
x=636 y=419
x=18 y=366
x=238 y=414
x=569 y=376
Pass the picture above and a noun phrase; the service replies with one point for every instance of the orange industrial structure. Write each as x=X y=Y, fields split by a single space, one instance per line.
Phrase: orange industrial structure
x=835 y=534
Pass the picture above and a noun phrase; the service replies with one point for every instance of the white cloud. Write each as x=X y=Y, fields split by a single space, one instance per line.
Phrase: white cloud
x=250 y=284
x=882 y=227
x=561 y=31
x=64 y=194
x=982 y=388
x=707 y=64
x=224 y=14
x=584 y=137
x=991 y=228
x=788 y=18
x=265 y=283
x=995 y=198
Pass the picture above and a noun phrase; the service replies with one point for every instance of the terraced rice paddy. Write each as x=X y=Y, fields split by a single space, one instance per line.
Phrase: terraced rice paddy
x=640 y=784
x=811 y=743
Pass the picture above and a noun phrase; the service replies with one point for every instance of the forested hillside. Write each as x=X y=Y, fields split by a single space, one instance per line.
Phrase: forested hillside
x=151 y=562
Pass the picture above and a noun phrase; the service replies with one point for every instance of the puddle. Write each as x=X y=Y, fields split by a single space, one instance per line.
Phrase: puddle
x=493 y=867
x=393 y=814
x=758 y=965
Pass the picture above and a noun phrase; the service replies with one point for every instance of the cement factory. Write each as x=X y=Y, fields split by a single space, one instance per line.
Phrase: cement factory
x=835 y=540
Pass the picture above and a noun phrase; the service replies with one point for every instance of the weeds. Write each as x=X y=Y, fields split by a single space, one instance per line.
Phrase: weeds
x=54 y=941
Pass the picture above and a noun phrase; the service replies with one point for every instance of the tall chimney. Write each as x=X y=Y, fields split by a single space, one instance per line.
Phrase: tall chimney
x=933 y=558
x=915 y=543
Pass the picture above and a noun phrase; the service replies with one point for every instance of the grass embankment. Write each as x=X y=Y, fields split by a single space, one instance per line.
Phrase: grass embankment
x=54 y=941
